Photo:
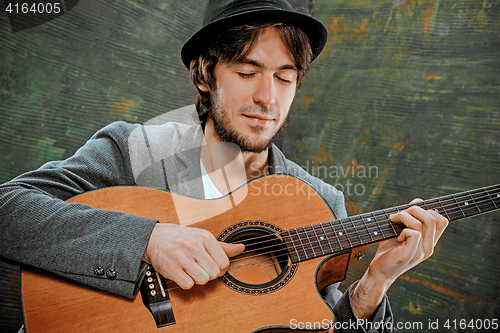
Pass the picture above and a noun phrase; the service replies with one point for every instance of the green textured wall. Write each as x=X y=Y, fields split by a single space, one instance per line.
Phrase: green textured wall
x=403 y=103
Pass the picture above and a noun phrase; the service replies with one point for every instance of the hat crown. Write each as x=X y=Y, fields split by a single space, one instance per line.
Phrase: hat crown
x=221 y=15
x=219 y=9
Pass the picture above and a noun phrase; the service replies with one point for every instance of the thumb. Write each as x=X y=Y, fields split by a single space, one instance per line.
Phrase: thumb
x=232 y=249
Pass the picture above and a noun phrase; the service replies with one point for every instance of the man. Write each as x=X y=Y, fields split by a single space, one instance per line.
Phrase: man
x=246 y=64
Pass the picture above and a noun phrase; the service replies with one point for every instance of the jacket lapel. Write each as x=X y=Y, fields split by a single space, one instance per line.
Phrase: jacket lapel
x=186 y=178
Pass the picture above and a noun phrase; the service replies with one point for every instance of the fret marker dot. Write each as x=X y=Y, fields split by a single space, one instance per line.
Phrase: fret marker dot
x=340 y=233
x=375 y=233
x=437 y=211
x=498 y=195
x=322 y=238
x=466 y=203
x=369 y=219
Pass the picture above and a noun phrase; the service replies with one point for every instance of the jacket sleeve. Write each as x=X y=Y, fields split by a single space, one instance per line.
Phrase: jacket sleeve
x=74 y=240
x=347 y=322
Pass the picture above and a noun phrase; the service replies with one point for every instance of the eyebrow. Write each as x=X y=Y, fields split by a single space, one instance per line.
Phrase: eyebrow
x=261 y=65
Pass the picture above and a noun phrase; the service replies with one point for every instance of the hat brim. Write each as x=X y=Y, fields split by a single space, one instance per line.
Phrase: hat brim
x=315 y=30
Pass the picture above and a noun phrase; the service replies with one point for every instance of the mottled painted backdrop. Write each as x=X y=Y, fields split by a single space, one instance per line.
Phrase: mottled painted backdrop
x=402 y=103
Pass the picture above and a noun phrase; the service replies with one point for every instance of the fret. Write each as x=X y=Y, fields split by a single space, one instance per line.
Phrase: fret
x=474 y=201
x=449 y=204
x=465 y=205
x=367 y=229
x=492 y=199
x=432 y=204
x=425 y=205
x=461 y=210
x=312 y=247
x=378 y=225
x=314 y=241
x=356 y=230
x=444 y=210
x=343 y=233
x=482 y=200
x=327 y=238
x=301 y=245
x=293 y=244
x=336 y=236
x=389 y=221
x=497 y=197
x=320 y=239
x=399 y=208
x=399 y=226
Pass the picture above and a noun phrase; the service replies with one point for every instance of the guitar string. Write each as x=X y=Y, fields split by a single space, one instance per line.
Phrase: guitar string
x=395 y=209
x=315 y=246
x=282 y=261
x=376 y=226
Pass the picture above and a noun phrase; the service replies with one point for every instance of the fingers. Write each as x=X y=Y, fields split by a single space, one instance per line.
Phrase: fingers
x=410 y=240
x=428 y=222
x=441 y=224
x=204 y=257
x=414 y=244
x=421 y=221
x=187 y=255
x=232 y=250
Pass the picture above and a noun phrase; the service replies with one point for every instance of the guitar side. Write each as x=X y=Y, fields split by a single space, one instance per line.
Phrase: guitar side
x=54 y=304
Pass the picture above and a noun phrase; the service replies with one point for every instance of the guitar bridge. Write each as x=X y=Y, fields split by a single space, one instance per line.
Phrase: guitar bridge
x=155 y=296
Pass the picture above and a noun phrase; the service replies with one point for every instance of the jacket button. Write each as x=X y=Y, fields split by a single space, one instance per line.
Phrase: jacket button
x=111 y=273
x=99 y=271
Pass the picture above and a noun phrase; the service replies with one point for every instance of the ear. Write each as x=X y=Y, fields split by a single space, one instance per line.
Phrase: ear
x=203 y=87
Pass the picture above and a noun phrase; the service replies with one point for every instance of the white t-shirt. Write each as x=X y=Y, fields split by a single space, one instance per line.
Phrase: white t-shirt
x=211 y=192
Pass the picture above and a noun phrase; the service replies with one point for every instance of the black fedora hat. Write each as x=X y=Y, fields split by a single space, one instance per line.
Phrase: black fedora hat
x=222 y=14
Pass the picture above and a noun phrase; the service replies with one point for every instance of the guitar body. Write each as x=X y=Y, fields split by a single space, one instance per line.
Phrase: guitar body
x=265 y=298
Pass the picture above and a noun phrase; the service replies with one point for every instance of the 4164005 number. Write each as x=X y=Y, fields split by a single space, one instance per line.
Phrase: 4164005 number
x=33 y=8
x=480 y=324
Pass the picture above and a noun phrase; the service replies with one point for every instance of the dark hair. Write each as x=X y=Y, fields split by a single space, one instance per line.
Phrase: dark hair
x=235 y=44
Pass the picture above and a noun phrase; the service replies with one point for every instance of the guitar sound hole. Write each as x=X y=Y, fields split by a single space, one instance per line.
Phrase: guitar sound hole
x=263 y=263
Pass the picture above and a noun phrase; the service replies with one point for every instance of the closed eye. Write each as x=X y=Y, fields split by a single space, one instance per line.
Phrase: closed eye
x=246 y=75
x=284 y=80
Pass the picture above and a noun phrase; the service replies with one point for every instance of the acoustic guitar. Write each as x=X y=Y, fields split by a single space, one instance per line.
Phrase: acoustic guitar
x=294 y=248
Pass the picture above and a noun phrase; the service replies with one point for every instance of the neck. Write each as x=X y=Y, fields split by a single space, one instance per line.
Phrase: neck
x=324 y=238
x=215 y=155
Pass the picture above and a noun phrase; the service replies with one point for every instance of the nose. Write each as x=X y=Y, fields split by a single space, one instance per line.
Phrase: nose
x=265 y=91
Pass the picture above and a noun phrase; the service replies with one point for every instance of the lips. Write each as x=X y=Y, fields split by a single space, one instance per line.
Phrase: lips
x=258 y=116
x=259 y=119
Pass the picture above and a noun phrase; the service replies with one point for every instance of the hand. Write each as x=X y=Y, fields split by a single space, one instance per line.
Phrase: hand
x=188 y=255
x=397 y=255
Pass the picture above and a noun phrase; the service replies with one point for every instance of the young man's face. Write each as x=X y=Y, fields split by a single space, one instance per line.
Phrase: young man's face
x=253 y=96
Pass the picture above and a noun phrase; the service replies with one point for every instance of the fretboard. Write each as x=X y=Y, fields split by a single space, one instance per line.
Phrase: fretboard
x=324 y=238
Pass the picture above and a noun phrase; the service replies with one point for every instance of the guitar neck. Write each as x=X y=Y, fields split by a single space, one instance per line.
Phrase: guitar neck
x=324 y=238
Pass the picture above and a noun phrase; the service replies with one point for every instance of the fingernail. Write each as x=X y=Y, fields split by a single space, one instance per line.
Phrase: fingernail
x=391 y=216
